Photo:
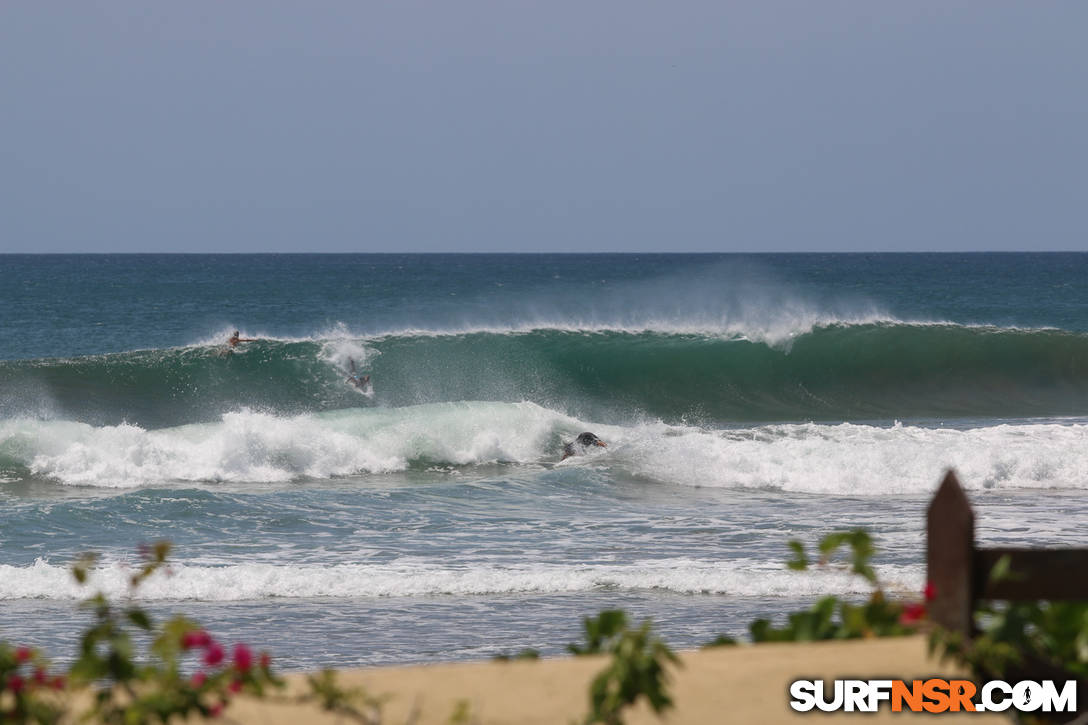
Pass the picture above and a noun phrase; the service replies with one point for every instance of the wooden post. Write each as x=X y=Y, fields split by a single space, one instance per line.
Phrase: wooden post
x=950 y=554
x=960 y=574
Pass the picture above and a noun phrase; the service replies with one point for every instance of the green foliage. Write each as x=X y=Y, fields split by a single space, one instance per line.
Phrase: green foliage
x=1015 y=633
x=354 y=702
x=462 y=713
x=637 y=668
x=600 y=630
x=722 y=640
x=130 y=684
x=132 y=687
x=526 y=654
x=832 y=617
x=28 y=693
x=799 y=562
x=861 y=548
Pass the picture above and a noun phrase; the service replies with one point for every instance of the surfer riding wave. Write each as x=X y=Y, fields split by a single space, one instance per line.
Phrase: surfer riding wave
x=360 y=382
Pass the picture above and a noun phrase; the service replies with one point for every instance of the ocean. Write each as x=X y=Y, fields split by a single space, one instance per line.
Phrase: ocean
x=745 y=400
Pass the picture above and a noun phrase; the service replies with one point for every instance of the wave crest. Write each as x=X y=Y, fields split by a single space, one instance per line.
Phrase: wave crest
x=871 y=371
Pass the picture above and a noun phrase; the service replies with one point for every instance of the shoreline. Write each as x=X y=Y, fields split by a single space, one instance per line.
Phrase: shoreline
x=746 y=683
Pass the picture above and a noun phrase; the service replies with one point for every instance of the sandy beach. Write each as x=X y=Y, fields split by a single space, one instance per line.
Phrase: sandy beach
x=734 y=684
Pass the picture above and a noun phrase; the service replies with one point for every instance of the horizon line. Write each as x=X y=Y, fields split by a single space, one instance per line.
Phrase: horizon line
x=538 y=253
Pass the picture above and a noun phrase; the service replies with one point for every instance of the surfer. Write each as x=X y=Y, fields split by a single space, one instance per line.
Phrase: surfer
x=232 y=342
x=355 y=379
x=234 y=339
x=582 y=442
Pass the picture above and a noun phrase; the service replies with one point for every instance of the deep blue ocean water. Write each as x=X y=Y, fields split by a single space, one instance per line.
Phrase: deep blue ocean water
x=745 y=400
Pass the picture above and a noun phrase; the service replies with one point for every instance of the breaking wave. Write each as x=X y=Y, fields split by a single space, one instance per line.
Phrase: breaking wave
x=827 y=372
x=845 y=458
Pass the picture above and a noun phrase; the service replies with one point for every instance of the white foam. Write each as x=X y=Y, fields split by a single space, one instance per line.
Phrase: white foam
x=350 y=357
x=253 y=446
x=857 y=460
x=43 y=580
x=845 y=459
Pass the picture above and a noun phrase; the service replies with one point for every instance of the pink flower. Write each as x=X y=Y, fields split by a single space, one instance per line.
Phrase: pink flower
x=198 y=679
x=266 y=661
x=39 y=676
x=213 y=655
x=243 y=658
x=58 y=682
x=235 y=686
x=912 y=613
x=930 y=592
x=197 y=638
x=15 y=684
x=22 y=654
x=216 y=710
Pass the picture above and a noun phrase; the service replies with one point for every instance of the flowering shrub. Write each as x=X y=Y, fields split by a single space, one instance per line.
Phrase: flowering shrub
x=125 y=686
x=28 y=691
x=128 y=689
x=184 y=672
x=835 y=618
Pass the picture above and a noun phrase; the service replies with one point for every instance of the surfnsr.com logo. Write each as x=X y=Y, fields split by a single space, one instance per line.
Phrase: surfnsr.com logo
x=934 y=695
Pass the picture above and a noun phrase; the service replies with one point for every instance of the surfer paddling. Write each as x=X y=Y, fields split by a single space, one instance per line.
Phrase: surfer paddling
x=580 y=444
x=355 y=379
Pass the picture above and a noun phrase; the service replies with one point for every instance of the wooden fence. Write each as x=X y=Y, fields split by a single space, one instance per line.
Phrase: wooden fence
x=960 y=574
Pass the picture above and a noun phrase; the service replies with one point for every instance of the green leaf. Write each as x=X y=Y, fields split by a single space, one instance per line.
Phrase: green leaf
x=82 y=565
x=799 y=562
x=830 y=543
x=161 y=550
x=637 y=670
x=1002 y=571
x=139 y=618
x=599 y=631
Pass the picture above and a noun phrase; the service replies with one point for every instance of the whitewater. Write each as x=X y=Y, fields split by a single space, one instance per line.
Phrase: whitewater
x=745 y=401
x=458 y=438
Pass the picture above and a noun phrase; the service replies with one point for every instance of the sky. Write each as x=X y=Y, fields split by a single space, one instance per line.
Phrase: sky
x=544 y=126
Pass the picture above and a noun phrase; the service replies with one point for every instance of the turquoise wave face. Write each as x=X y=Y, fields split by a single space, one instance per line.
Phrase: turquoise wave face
x=834 y=372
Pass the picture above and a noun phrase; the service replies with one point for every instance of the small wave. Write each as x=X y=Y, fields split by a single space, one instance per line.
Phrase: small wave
x=43 y=580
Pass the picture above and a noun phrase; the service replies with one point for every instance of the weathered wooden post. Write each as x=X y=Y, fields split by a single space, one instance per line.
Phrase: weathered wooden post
x=960 y=574
x=950 y=557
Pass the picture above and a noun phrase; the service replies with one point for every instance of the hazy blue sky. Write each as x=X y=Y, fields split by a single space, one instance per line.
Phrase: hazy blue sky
x=596 y=125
